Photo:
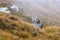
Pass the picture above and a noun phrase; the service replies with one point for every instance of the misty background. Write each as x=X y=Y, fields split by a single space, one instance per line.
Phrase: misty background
x=48 y=11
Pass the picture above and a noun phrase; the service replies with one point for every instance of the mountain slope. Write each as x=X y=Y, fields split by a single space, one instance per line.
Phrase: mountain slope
x=13 y=27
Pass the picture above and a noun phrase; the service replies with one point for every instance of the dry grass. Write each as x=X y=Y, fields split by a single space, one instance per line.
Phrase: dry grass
x=13 y=28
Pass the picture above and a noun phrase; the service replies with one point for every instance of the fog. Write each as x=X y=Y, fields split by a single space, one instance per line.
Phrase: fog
x=48 y=11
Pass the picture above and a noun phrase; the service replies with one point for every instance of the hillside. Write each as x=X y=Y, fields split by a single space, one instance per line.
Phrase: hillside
x=13 y=27
x=16 y=28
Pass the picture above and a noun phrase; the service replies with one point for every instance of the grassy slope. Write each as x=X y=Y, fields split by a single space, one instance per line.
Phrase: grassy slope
x=13 y=28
